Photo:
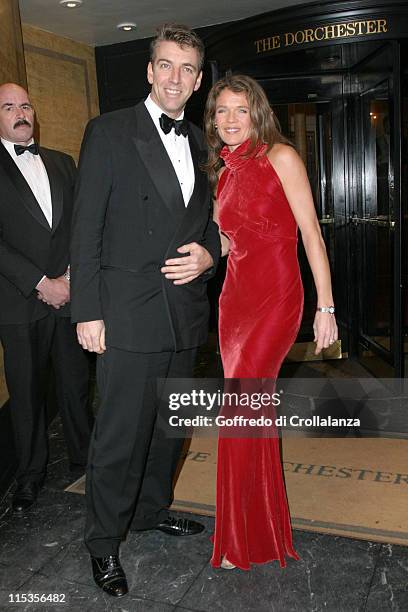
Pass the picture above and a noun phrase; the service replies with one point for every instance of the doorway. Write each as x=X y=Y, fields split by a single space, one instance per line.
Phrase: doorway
x=345 y=122
x=309 y=127
x=311 y=113
x=375 y=215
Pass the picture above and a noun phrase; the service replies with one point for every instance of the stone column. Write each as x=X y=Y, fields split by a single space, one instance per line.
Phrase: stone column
x=12 y=65
x=12 y=69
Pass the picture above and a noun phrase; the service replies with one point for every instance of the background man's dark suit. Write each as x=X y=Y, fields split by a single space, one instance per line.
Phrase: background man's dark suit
x=30 y=330
x=129 y=218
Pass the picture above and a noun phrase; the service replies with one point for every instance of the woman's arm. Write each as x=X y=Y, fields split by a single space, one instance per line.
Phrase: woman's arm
x=292 y=173
x=225 y=243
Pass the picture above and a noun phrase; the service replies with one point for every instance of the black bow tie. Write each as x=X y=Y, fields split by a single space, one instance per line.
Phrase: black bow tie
x=167 y=124
x=32 y=148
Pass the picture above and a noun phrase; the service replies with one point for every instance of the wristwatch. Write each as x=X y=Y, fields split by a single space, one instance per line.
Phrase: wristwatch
x=330 y=309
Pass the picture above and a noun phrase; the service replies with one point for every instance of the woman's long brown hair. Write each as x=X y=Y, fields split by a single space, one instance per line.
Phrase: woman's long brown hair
x=265 y=126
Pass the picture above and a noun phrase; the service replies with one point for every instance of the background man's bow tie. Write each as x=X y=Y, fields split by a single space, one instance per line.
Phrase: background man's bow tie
x=167 y=124
x=32 y=148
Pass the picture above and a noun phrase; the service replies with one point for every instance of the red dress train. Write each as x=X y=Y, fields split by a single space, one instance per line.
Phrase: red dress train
x=260 y=313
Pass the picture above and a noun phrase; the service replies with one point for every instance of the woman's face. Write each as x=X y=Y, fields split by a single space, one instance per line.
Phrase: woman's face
x=232 y=118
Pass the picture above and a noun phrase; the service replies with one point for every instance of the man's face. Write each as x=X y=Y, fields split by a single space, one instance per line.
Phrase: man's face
x=16 y=114
x=173 y=74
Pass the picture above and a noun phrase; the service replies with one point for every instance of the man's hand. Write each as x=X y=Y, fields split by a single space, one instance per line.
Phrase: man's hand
x=54 y=291
x=91 y=336
x=185 y=269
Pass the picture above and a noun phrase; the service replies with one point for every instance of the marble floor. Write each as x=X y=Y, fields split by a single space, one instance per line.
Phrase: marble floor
x=43 y=553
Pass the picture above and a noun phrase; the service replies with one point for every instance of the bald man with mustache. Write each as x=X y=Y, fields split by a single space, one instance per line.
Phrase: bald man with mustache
x=36 y=191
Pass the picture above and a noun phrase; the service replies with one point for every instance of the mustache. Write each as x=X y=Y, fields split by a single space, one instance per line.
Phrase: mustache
x=21 y=122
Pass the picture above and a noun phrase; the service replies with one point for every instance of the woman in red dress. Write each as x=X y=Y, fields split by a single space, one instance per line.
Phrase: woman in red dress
x=263 y=196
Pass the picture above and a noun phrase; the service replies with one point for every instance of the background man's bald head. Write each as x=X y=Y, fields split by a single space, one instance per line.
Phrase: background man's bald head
x=8 y=88
x=16 y=114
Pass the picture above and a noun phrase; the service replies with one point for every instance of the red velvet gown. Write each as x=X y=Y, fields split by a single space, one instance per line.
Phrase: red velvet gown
x=260 y=313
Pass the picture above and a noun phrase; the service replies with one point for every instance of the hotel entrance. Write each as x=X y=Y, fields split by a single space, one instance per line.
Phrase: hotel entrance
x=340 y=104
x=343 y=126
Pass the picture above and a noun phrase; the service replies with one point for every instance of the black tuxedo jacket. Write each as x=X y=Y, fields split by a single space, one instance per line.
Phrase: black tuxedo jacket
x=129 y=217
x=29 y=248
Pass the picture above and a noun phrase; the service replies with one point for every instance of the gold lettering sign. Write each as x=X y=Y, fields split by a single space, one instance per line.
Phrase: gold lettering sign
x=328 y=32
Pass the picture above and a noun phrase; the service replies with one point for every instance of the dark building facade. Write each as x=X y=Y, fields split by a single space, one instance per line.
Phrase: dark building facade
x=336 y=75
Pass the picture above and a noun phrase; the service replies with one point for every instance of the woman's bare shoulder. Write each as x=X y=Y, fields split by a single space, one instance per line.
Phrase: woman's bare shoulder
x=283 y=154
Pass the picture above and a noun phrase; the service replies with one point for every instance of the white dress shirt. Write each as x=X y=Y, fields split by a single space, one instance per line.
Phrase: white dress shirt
x=32 y=168
x=178 y=149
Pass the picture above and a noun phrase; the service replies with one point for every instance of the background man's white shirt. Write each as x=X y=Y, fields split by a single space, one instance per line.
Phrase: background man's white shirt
x=32 y=168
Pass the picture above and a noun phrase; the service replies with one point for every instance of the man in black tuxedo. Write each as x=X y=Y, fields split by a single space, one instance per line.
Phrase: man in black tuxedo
x=35 y=219
x=143 y=245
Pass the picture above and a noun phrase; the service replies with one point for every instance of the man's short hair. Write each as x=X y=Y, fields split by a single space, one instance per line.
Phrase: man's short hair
x=180 y=34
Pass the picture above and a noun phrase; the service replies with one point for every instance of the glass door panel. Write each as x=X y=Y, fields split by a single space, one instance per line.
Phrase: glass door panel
x=373 y=221
x=309 y=127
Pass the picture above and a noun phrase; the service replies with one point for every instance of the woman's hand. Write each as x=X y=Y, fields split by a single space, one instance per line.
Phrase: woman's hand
x=325 y=330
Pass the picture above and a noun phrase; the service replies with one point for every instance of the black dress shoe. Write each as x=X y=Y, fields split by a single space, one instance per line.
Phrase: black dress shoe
x=180 y=526
x=24 y=497
x=109 y=575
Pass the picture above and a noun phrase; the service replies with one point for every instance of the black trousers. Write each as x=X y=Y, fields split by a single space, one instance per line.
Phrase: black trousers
x=28 y=348
x=132 y=462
